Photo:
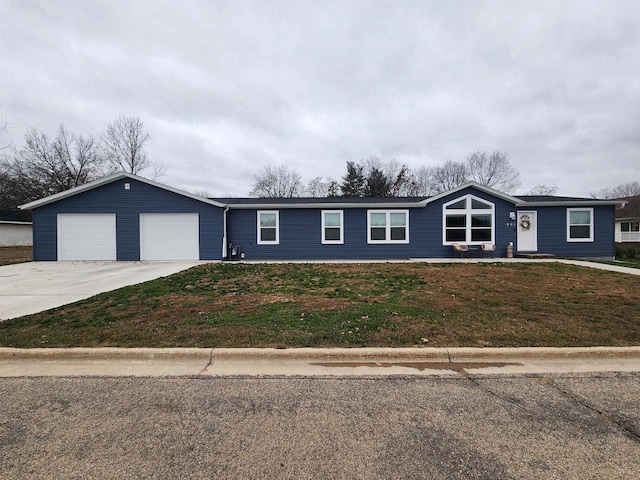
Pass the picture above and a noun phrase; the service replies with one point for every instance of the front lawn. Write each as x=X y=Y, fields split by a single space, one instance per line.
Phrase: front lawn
x=382 y=304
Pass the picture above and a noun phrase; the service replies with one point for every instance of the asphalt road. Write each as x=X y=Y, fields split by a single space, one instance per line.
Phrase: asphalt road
x=550 y=427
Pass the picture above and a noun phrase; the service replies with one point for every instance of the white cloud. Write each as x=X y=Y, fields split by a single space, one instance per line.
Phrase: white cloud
x=227 y=87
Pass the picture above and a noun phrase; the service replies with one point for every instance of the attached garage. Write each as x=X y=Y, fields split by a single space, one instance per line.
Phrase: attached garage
x=169 y=236
x=124 y=217
x=87 y=236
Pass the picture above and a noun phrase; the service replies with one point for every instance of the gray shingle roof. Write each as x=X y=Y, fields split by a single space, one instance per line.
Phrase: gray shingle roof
x=14 y=216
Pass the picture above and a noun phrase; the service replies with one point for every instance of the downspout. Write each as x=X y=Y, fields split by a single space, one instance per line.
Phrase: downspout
x=225 y=250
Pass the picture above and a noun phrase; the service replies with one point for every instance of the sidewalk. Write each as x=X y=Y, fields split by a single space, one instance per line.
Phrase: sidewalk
x=203 y=362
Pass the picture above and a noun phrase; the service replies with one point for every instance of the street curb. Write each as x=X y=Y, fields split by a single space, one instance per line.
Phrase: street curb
x=106 y=353
x=369 y=353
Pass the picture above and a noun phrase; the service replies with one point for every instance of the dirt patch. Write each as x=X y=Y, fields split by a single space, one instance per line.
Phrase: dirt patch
x=10 y=255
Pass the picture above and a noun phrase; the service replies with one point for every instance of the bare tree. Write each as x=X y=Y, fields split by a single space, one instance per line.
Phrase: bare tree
x=445 y=177
x=123 y=146
x=623 y=190
x=203 y=192
x=320 y=187
x=494 y=171
x=420 y=184
x=400 y=178
x=542 y=189
x=3 y=130
x=277 y=181
x=44 y=166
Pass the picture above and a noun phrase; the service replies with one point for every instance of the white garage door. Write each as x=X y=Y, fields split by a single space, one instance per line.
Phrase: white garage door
x=86 y=236
x=169 y=236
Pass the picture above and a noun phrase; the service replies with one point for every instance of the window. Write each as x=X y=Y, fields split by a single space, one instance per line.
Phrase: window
x=630 y=226
x=332 y=226
x=468 y=220
x=388 y=226
x=268 y=226
x=579 y=224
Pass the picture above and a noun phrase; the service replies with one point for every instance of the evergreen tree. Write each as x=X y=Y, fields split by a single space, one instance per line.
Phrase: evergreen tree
x=377 y=185
x=353 y=182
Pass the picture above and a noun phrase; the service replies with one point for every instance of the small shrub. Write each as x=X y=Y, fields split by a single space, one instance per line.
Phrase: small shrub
x=627 y=250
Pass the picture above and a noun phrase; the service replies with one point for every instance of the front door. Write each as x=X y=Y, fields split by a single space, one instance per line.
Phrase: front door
x=528 y=231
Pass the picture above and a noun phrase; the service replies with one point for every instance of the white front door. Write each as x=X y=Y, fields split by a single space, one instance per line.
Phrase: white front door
x=528 y=231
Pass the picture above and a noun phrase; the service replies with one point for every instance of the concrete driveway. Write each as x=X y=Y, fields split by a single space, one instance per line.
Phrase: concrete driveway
x=27 y=288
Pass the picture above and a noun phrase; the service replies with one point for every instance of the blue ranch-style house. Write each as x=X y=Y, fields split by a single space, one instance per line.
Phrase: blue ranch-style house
x=129 y=218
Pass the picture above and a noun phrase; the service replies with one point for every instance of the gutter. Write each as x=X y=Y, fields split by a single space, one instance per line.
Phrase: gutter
x=224 y=233
x=572 y=203
x=326 y=206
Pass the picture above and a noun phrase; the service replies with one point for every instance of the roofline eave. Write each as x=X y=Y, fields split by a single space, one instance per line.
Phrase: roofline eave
x=569 y=203
x=324 y=206
x=109 y=179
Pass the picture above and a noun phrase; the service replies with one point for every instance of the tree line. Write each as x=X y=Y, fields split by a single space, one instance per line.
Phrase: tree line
x=375 y=178
x=44 y=166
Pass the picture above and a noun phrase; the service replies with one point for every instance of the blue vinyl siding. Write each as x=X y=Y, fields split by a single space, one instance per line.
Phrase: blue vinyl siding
x=127 y=205
x=300 y=229
x=552 y=233
x=301 y=235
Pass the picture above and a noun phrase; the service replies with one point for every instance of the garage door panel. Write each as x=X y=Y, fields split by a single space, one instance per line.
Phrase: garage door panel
x=169 y=236
x=87 y=236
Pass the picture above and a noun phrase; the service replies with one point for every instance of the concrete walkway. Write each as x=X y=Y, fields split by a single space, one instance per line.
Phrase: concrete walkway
x=194 y=362
x=27 y=288
x=602 y=266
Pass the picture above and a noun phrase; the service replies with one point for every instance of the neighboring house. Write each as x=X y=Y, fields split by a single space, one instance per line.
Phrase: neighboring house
x=628 y=220
x=125 y=217
x=15 y=228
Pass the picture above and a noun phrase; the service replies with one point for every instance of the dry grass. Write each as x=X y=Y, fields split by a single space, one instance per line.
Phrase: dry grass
x=9 y=255
x=342 y=305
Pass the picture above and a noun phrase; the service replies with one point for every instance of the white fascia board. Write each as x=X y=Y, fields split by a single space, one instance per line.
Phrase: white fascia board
x=477 y=186
x=11 y=222
x=108 y=179
x=324 y=206
x=570 y=203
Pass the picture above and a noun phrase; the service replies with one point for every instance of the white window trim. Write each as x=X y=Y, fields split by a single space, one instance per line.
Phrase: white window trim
x=387 y=226
x=468 y=212
x=277 y=240
x=332 y=242
x=590 y=210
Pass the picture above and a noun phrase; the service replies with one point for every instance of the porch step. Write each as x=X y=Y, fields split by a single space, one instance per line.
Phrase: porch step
x=536 y=255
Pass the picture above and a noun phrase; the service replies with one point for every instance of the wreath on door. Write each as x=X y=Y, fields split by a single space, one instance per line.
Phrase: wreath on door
x=525 y=223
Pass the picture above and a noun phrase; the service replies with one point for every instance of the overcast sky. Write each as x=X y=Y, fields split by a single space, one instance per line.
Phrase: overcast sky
x=227 y=87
